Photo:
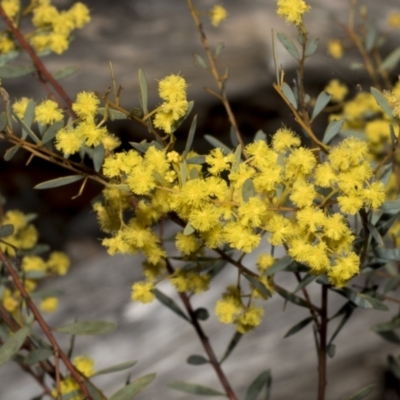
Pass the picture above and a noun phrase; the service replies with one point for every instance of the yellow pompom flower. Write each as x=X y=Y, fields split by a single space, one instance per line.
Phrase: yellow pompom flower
x=11 y=7
x=250 y=319
x=300 y=162
x=79 y=14
x=227 y=309
x=303 y=193
x=33 y=263
x=394 y=20
x=344 y=269
x=337 y=90
x=172 y=88
x=187 y=244
x=264 y=262
x=251 y=213
x=58 y=42
x=48 y=112
x=142 y=292
x=284 y=139
x=44 y=15
x=58 y=263
x=164 y=121
x=67 y=386
x=110 y=142
x=86 y=104
x=19 y=107
x=374 y=195
x=218 y=161
x=6 y=44
x=90 y=132
x=49 y=304
x=218 y=14
x=40 y=42
x=292 y=10
x=85 y=365
x=68 y=141
x=335 y=48
x=350 y=204
x=10 y=301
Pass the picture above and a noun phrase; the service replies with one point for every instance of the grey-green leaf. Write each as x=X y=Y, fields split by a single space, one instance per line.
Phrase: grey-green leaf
x=292 y=298
x=322 y=101
x=231 y=346
x=98 y=157
x=65 y=72
x=6 y=230
x=298 y=327
x=305 y=281
x=200 y=61
x=169 y=303
x=279 y=265
x=258 y=285
x=332 y=130
x=10 y=153
x=247 y=190
x=372 y=35
x=288 y=92
x=15 y=71
x=331 y=350
x=392 y=284
x=362 y=393
x=289 y=45
x=88 y=328
x=390 y=61
x=52 y=131
x=217 y=143
x=133 y=388
x=390 y=336
x=193 y=388
x=311 y=47
x=116 y=368
x=202 y=314
x=260 y=135
x=387 y=326
x=197 y=360
x=190 y=138
x=13 y=344
x=143 y=92
x=382 y=102
x=65 y=180
x=37 y=355
x=3 y=121
x=394 y=366
x=255 y=388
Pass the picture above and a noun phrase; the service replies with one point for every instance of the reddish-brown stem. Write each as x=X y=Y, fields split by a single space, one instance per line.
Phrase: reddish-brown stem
x=205 y=342
x=43 y=325
x=322 y=344
x=42 y=70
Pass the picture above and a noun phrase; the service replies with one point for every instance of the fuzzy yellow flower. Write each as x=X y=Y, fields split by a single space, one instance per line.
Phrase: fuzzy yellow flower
x=337 y=90
x=187 y=244
x=143 y=292
x=85 y=365
x=335 y=48
x=68 y=141
x=49 y=304
x=86 y=104
x=48 y=112
x=79 y=14
x=58 y=263
x=218 y=14
x=284 y=139
x=292 y=10
x=394 y=20
x=19 y=107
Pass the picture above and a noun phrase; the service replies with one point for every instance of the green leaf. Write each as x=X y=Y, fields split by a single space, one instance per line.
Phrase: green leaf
x=200 y=61
x=292 y=298
x=65 y=72
x=10 y=153
x=391 y=61
x=279 y=265
x=116 y=368
x=332 y=130
x=5 y=58
x=133 y=388
x=197 y=360
x=37 y=355
x=362 y=393
x=331 y=350
x=372 y=35
x=247 y=190
x=193 y=388
x=382 y=102
x=13 y=344
x=288 y=92
x=260 y=135
x=311 y=47
x=305 y=281
x=299 y=326
x=95 y=393
x=6 y=230
x=112 y=114
x=258 y=285
x=3 y=121
x=322 y=101
x=169 y=303
x=15 y=71
x=388 y=254
x=387 y=326
x=190 y=138
x=238 y=158
x=394 y=366
x=143 y=92
x=188 y=229
x=358 y=299
x=264 y=379
x=87 y=328
x=218 y=49
x=233 y=136
x=216 y=143
x=65 y=180
x=231 y=346
x=52 y=131
x=196 y=160
x=390 y=336
x=202 y=314
x=289 y=45
x=392 y=284
x=98 y=157
x=182 y=120
x=375 y=234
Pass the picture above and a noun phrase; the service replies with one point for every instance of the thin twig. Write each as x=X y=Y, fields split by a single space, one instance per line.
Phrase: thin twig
x=322 y=351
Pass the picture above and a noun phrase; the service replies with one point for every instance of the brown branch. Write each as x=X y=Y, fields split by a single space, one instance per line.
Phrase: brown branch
x=205 y=341
x=42 y=70
x=322 y=351
x=45 y=328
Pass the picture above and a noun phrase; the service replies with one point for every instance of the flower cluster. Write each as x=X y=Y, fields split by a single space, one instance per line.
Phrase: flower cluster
x=218 y=14
x=292 y=10
x=172 y=89
x=52 y=28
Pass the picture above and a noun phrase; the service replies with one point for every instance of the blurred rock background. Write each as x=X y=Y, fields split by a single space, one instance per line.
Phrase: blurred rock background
x=159 y=37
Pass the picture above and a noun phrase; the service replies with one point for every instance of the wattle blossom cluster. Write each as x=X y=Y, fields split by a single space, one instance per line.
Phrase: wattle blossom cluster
x=52 y=28
x=292 y=10
x=279 y=192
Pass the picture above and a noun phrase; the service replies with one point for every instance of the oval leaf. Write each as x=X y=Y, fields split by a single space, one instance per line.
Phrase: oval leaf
x=289 y=45
x=390 y=61
x=13 y=344
x=37 y=355
x=231 y=346
x=247 y=190
x=258 y=285
x=15 y=71
x=200 y=61
x=87 y=328
x=292 y=298
x=98 y=157
x=299 y=326
x=143 y=93
x=288 y=92
x=52 y=131
x=382 y=102
x=133 y=388
x=322 y=100
x=65 y=72
x=362 y=393
x=65 y=180
x=264 y=379
x=169 y=303
x=202 y=314
x=190 y=138
x=116 y=368
x=332 y=130
x=193 y=388
x=311 y=47
x=6 y=230
x=280 y=265
x=216 y=143
x=197 y=360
